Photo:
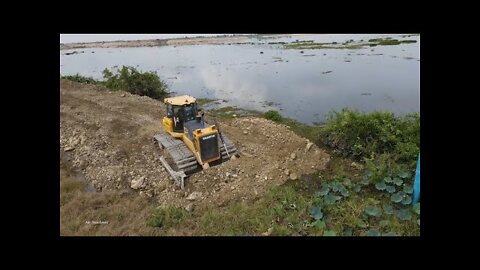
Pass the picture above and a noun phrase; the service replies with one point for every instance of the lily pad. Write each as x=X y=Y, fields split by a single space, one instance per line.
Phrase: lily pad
x=329 y=233
x=408 y=189
x=416 y=208
x=319 y=224
x=347 y=182
x=347 y=230
x=407 y=200
x=390 y=234
x=397 y=181
x=405 y=174
x=388 y=179
x=390 y=189
x=331 y=199
x=322 y=192
x=373 y=232
x=397 y=197
x=362 y=224
x=404 y=214
x=344 y=192
x=384 y=223
x=357 y=188
x=380 y=185
x=337 y=187
x=365 y=182
x=316 y=212
x=373 y=211
x=387 y=209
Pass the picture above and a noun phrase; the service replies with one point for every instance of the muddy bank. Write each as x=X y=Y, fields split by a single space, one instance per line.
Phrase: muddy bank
x=109 y=138
x=156 y=42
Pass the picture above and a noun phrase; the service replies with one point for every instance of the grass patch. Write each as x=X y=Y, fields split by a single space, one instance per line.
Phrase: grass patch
x=167 y=217
x=80 y=79
x=229 y=111
x=203 y=101
x=282 y=211
x=101 y=213
x=350 y=44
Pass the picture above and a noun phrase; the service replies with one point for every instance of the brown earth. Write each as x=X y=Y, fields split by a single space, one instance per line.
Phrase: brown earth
x=155 y=42
x=109 y=137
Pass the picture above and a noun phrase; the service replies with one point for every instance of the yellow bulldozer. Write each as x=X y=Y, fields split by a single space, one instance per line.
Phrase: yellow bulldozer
x=188 y=141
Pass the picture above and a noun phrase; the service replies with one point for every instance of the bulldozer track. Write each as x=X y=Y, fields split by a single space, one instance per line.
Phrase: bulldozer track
x=182 y=159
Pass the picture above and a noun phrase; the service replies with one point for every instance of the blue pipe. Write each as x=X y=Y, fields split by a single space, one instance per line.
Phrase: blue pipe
x=416 y=183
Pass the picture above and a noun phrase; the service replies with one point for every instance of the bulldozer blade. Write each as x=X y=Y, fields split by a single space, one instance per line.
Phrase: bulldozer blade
x=178 y=177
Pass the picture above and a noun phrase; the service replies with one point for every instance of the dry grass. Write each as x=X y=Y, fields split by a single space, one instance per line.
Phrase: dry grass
x=126 y=214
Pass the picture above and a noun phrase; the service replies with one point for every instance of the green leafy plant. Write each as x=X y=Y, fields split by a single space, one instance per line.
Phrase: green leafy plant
x=396 y=197
x=273 y=115
x=316 y=212
x=139 y=83
x=373 y=211
x=373 y=232
x=329 y=233
x=387 y=209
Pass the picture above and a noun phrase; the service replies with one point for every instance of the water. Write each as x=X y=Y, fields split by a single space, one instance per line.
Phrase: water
x=301 y=86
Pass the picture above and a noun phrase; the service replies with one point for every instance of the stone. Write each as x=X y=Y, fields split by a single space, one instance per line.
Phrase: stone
x=286 y=172
x=190 y=207
x=245 y=132
x=309 y=145
x=69 y=149
x=293 y=176
x=268 y=232
x=137 y=183
x=293 y=156
x=194 y=195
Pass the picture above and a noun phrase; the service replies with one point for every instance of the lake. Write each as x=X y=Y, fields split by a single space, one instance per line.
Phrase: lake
x=304 y=86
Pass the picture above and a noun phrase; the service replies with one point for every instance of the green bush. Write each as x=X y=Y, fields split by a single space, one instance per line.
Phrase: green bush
x=356 y=134
x=138 y=83
x=273 y=115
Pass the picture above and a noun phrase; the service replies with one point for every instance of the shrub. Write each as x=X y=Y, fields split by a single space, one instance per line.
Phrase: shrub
x=273 y=115
x=359 y=135
x=135 y=82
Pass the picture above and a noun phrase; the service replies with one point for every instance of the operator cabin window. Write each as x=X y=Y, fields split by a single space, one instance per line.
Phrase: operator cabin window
x=169 y=110
x=189 y=113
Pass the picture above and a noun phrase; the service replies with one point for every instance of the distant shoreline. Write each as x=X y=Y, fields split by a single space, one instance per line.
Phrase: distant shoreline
x=159 y=42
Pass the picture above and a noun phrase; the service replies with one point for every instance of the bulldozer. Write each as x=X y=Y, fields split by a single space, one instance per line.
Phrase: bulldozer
x=188 y=142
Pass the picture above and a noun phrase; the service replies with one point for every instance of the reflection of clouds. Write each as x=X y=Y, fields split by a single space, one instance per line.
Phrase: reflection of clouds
x=232 y=86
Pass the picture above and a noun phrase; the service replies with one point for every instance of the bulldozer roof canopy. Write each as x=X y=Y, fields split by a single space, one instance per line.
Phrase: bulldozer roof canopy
x=180 y=100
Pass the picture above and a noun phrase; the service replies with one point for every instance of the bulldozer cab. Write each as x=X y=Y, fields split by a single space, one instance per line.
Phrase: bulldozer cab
x=180 y=110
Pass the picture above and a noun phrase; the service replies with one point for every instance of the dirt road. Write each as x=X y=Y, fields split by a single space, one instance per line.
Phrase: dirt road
x=109 y=137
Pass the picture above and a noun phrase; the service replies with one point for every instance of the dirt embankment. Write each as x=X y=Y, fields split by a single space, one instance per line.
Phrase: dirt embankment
x=155 y=42
x=109 y=137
